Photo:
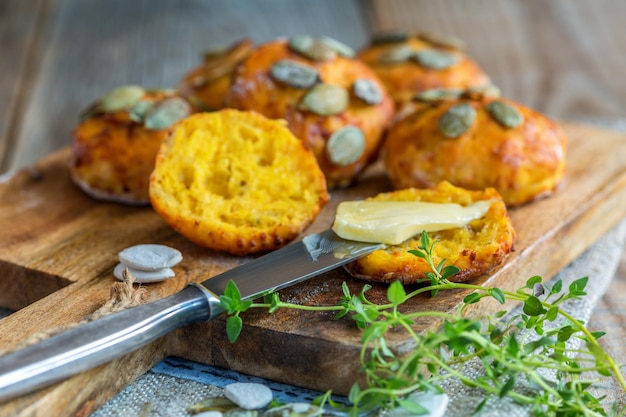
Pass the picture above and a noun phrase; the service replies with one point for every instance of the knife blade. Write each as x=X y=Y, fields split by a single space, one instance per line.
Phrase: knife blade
x=102 y=340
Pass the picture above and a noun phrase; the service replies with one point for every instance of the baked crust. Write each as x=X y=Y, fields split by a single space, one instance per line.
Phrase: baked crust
x=394 y=62
x=114 y=151
x=254 y=88
x=476 y=249
x=236 y=182
x=206 y=85
x=522 y=163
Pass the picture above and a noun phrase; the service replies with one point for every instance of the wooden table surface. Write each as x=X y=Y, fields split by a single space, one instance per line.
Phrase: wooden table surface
x=566 y=58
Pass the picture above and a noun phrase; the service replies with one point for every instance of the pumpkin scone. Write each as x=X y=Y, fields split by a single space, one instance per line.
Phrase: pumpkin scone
x=476 y=139
x=236 y=182
x=409 y=63
x=476 y=248
x=332 y=101
x=115 y=144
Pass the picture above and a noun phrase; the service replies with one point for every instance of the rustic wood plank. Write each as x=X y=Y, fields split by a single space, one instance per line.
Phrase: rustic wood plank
x=101 y=44
x=81 y=238
x=560 y=57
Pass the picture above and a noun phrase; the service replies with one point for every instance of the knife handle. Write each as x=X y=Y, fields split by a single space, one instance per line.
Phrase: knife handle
x=101 y=340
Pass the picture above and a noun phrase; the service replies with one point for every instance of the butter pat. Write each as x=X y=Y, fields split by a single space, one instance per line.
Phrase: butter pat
x=393 y=222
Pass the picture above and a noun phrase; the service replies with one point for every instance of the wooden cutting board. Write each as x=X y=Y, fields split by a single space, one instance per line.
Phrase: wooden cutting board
x=58 y=248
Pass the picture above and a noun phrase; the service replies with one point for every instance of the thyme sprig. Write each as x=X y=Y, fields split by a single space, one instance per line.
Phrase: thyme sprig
x=531 y=357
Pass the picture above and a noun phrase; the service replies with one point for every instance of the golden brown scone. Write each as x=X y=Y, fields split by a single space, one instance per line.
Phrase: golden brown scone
x=236 y=182
x=207 y=84
x=115 y=144
x=334 y=103
x=476 y=141
x=475 y=249
x=408 y=63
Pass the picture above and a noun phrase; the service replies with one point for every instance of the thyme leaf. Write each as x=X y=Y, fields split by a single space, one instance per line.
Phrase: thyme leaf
x=514 y=349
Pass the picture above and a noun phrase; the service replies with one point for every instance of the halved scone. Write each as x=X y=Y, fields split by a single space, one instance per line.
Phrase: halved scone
x=476 y=249
x=236 y=182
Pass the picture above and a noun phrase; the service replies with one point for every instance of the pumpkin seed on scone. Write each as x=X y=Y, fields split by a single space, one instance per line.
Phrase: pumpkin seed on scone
x=117 y=139
x=206 y=84
x=408 y=63
x=237 y=182
x=476 y=248
x=476 y=139
x=331 y=101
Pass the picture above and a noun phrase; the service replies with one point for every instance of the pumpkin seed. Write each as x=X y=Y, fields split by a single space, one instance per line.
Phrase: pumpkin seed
x=240 y=412
x=341 y=48
x=396 y=55
x=346 y=145
x=199 y=104
x=167 y=112
x=390 y=37
x=198 y=81
x=294 y=74
x=454 y=122
x=233 y=52
x=312 y=48
x=438 y=94
x=150 y=257
x=92 y=110
x=295 y=410
x=447 y=42
x=326 y=99
x=505 y=114
x=216 y=52
x=164 y=91
x=121 y=98
x=139 y=110
x=368 y=91
x=483 y=91
x=143 y=276
x=248 y=395
x=435 y=59
x=212 y=404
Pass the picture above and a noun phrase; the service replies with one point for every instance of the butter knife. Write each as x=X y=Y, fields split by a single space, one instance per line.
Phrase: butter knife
x=105 y=339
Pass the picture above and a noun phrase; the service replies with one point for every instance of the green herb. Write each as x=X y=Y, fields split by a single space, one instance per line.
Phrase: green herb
x=513 y=349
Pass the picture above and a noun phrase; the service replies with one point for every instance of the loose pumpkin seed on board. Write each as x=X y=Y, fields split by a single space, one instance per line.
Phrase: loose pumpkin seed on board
x=150 y=257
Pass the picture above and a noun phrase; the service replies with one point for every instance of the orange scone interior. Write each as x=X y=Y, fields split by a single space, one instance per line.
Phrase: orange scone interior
x=476 y=249
x=236 y=182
